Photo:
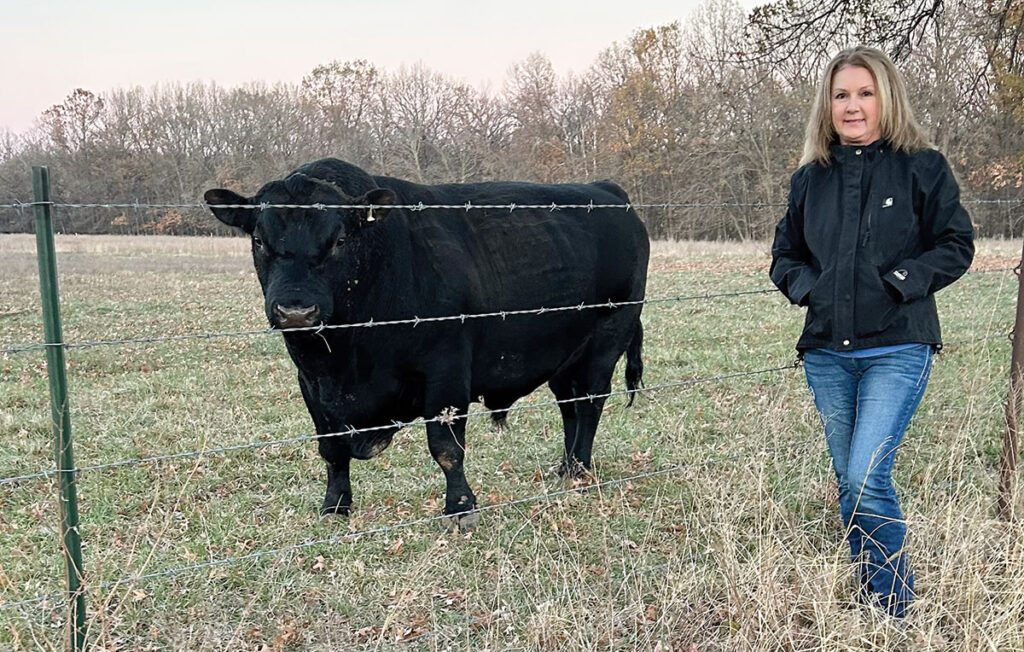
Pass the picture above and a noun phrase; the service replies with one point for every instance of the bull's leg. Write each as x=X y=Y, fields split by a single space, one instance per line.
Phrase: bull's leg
x=338 y=499
x=447 y=443
x=334 y=451
x=562 y=387
x=593 y=376
x=589 y=414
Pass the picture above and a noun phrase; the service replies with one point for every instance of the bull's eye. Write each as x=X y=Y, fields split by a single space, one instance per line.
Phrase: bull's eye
x=257 y=242
x=340 y=241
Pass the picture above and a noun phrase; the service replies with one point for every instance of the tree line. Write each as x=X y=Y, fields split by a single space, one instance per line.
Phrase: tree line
x=708 y=112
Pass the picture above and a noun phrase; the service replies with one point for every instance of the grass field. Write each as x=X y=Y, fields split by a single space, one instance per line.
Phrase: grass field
x=739 y=549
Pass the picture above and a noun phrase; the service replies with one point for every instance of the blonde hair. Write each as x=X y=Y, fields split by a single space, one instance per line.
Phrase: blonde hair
x=896 y=119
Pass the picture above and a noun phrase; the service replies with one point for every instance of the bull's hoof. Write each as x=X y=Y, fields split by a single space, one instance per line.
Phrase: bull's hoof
x=577 y=475
x=462 y=521
x=499 y=421
x=461 y=514
x=335 y=509
x=573 y=470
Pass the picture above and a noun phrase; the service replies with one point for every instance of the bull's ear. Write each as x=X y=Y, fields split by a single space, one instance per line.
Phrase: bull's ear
x=380 y=199
x=241 y=218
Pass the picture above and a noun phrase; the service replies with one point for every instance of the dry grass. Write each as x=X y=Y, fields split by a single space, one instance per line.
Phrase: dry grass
x=132 y=246
x=740 y=553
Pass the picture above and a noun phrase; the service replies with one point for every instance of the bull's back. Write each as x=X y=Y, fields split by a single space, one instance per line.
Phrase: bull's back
x=492 y=260
x=513 y=258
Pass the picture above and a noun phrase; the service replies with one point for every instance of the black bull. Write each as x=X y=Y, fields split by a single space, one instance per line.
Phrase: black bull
x=335 y=266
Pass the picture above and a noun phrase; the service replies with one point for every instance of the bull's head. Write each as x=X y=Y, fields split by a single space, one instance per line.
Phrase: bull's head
x=303 y=256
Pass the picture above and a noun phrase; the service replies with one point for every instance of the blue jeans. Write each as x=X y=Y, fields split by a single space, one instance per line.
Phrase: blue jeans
x=865 y=405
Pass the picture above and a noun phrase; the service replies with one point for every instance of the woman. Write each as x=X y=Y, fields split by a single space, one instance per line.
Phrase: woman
x=873 y=229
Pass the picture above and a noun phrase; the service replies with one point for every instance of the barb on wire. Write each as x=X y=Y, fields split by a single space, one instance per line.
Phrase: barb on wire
x=355 y=536
x=18 y=205
x=442 y=418
x=371 y=323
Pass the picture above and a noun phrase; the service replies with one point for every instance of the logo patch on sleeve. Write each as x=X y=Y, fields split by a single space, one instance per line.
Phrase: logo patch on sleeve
x=887 y=203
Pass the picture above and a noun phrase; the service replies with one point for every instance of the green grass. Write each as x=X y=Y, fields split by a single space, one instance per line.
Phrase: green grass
x=740 y=553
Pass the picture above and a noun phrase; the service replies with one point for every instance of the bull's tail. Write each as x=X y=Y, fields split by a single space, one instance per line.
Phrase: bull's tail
x=634 y=361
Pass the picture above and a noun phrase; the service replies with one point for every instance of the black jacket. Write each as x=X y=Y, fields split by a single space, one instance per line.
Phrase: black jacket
x=865 y=244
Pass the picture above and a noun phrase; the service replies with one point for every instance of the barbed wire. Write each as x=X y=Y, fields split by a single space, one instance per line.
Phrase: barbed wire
x=422 y=422
x=413 y=321
x=446 y=418
x=994 y=270
x=420 y=206
x=354 y=536
x=418 y=422
x=986 y=338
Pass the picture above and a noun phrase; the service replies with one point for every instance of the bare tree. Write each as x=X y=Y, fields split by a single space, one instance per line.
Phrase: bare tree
x=422 y=108
x=72 y=124
x=810 y=30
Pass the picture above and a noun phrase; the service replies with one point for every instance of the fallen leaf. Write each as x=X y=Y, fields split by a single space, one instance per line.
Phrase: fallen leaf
x=676 y=527
x=366 y=634
x=417 y=628
x=640 y=459
x=286 y=633
x=650 y=615
x=453 y=599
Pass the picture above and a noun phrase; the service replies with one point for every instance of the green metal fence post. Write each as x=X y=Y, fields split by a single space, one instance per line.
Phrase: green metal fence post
x=59 y=408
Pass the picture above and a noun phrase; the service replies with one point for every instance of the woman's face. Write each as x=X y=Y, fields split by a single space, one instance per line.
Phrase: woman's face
x=855 y=106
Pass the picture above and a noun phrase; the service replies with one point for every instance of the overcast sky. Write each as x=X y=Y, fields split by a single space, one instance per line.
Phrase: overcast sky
x=50 y=47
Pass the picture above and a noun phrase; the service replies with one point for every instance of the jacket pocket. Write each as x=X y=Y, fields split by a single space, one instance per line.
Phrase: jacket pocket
x=875 y=309
x=820 y=304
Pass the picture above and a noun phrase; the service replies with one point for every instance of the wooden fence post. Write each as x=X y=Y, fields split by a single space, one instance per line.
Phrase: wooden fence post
x=1011 y=438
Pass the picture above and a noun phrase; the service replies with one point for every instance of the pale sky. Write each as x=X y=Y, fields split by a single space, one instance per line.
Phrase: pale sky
x=50 y=47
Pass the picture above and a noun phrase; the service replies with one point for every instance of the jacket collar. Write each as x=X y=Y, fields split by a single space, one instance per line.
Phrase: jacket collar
x=845 y=153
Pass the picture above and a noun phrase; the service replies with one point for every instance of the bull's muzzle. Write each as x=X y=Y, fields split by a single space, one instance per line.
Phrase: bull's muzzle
x=296 y=317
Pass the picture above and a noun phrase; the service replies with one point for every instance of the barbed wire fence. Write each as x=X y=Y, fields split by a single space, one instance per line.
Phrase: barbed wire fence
x=996 y=217
x=469 y=205
x=413 y=321
x=357 y=535
x=50 y=473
